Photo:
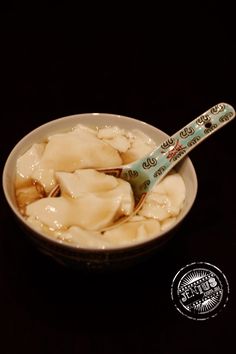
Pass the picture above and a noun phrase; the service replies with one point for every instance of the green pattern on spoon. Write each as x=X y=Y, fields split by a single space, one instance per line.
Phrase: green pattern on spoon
x=143 y=174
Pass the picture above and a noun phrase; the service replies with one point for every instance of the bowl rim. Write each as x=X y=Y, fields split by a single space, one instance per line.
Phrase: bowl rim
x=57 y=243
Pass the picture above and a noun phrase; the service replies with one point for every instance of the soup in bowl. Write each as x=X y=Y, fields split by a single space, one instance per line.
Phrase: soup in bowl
x=68 y=207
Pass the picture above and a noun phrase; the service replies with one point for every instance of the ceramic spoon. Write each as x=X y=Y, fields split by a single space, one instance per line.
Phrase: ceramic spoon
x=143 y=174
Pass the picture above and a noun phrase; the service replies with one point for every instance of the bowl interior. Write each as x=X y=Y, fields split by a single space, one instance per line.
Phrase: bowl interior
x=185 y=167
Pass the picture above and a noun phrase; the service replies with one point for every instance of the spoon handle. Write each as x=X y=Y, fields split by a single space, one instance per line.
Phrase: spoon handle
x=144 y=173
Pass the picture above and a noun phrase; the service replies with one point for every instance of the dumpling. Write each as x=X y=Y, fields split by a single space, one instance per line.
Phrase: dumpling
x=107 y=187
x=81 y=149
x=86 y=180
x=93 y=205
x=27 y=163
x=134 y=231
x=140 y=146
x=166 y=199
x=89 y=212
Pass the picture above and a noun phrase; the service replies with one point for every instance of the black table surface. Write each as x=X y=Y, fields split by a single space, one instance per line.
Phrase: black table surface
x=45 y=308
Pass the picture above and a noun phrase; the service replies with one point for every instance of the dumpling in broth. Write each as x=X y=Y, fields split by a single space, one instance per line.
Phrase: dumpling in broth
x=81 y=205
x=81 y=149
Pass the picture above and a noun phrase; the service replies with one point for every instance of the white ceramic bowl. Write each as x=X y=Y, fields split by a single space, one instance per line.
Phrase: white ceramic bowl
x=94 y=258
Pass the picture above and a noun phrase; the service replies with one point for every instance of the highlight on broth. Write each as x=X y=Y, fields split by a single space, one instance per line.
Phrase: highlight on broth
x=60 y=192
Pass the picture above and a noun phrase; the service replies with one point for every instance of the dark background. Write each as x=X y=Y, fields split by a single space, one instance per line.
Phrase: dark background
x=165 y=76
